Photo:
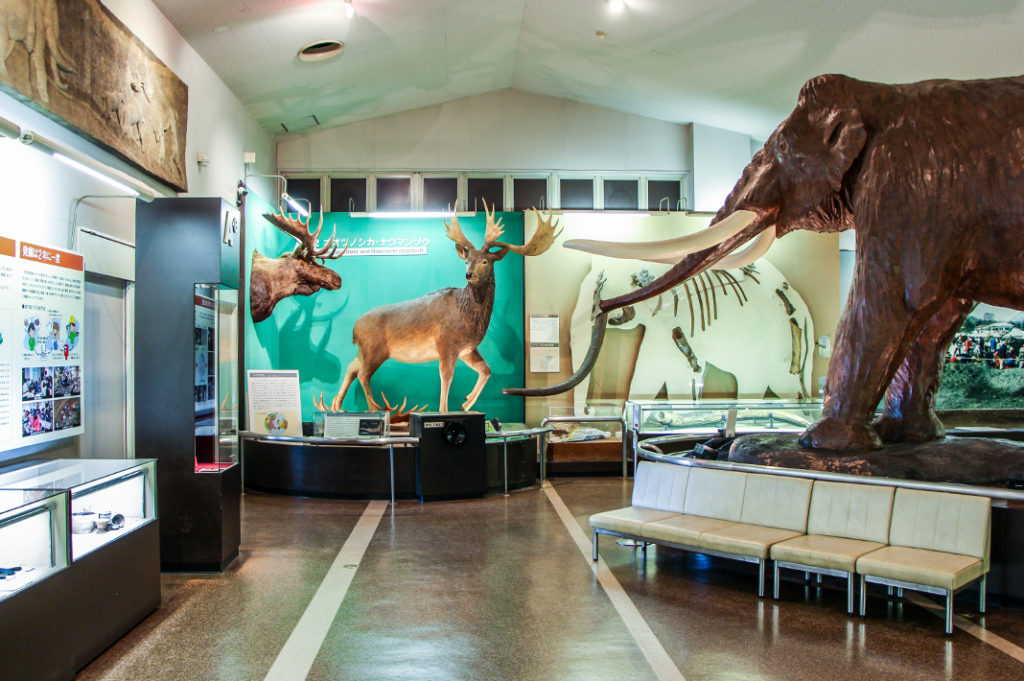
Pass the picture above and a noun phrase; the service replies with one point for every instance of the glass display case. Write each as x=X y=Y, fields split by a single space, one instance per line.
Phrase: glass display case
x=650 y=418
x=33 y=537
x=215 y=388
x=109 y=498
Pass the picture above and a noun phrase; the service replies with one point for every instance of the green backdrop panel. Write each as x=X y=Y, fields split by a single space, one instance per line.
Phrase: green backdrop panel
x=313 y=334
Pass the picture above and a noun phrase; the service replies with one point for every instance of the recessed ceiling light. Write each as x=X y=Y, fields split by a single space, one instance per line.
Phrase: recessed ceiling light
x=616 y=5
x=221 y=29
x=321 y=50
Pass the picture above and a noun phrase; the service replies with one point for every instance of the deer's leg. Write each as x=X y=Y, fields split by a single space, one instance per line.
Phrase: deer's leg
x=476 y=362
x=350 y=374
x=447 y=371
x=367 y=368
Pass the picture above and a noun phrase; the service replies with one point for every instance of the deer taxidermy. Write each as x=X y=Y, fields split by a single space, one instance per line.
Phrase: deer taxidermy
x=445 y=325
x=296 y=273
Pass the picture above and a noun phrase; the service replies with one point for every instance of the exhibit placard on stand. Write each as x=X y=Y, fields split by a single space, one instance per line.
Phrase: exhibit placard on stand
x=344 y=424
x=274 y=402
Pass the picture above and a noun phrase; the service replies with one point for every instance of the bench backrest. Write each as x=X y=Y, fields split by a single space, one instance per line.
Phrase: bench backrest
x=851 y=510
x=715 y=493
x=941 y=521
x=776 y=501
x=660 y=485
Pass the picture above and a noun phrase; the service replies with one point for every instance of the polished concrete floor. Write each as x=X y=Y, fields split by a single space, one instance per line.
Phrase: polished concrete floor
x=499 y=588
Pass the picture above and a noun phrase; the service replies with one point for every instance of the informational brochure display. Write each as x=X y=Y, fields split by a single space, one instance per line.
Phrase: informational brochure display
x=274 y=403
x=42 y=335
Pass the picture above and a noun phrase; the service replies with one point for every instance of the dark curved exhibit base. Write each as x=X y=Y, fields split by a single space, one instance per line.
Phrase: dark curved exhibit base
x=352 y=472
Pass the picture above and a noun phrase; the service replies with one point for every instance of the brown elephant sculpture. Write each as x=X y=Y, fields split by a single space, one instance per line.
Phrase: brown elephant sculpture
x=931 y=175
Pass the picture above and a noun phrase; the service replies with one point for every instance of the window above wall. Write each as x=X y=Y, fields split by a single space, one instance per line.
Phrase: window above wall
x=413 y=192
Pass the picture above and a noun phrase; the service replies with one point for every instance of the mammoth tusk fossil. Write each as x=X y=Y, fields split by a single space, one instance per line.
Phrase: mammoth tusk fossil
x=670 y=250
x=596 y=339
x=755 y=250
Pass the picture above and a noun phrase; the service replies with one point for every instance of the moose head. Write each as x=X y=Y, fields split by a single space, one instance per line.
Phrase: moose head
x=297 y=273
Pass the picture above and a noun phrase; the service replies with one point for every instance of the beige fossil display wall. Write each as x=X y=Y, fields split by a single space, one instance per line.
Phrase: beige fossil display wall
x=810 y=262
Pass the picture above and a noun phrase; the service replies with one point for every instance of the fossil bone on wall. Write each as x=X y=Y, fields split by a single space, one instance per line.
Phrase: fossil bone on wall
x=75 y=60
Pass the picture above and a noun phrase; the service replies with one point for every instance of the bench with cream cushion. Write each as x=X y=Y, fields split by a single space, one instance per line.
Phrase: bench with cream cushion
x=938 y=543
x=733 y=515
x=658 y=492
x=846 y=520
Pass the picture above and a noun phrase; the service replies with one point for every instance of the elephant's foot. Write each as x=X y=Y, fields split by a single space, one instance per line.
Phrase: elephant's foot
x=831 y=433
x=923 y=428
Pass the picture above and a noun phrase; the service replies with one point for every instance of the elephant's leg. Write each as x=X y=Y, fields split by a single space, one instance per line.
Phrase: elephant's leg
x=883 y=315
x=910 y=399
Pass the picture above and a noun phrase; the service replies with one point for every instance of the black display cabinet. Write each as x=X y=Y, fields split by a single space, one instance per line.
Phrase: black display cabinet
x=450 y=461
x=187 y=264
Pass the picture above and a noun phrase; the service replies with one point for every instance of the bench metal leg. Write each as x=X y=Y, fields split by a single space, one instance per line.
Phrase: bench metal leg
x=775 y=588
x=863 y=596
x=643 y=551
x=981 y=593
x=949 y=613
x=849 y=594
x=760 y=577
x=595 y=546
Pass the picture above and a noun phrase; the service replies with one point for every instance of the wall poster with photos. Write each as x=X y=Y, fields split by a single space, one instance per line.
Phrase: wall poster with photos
x=42 y=293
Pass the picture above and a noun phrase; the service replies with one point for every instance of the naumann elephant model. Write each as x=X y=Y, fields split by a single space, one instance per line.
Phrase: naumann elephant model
x=706 y=320
x=931 y=174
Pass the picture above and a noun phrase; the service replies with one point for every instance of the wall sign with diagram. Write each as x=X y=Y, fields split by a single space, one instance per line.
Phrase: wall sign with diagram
x=42 y=335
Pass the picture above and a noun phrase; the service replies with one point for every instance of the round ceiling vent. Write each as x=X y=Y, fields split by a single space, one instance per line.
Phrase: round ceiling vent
x=321 y=50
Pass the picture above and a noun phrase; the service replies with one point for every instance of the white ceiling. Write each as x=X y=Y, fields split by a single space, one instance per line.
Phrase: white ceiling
x=732 y=64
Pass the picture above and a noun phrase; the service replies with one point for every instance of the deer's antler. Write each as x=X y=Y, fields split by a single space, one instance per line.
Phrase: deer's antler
x=307 y=246
x=541 y=239
x=454 y=232
x=494 y=229
x=397 y=415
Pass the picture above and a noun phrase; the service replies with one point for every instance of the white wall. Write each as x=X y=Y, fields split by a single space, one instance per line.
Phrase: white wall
x=719 y=157
x=40 y=193
x=504 y=130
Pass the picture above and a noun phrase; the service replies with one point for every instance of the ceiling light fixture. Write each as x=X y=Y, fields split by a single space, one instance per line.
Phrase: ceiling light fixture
x=616 y=5
x=295 y=205
x=350 y=9
x=321 y=50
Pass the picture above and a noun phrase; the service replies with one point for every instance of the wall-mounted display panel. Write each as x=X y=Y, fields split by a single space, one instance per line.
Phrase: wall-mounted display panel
x=110 y=498
x=42 y=335
x=34 y=536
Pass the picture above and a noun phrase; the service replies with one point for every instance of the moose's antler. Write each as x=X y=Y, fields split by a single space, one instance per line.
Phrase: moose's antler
x=541 y=239
x=307 y=247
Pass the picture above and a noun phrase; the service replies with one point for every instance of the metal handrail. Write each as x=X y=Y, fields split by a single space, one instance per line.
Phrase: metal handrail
x=621 y=420
x=506 y=435
x=651 y=451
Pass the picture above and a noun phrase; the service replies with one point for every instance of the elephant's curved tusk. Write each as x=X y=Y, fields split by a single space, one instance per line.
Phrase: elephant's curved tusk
x=596 y=340
x=762 y=242
x=669 y=250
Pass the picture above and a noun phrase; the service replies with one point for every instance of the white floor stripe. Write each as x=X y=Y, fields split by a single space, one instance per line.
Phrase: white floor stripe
x=980 y=633
x=664 y=668
x=300 y=650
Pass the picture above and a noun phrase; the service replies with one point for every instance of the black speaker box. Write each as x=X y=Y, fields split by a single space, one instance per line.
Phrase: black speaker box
x=450 y=461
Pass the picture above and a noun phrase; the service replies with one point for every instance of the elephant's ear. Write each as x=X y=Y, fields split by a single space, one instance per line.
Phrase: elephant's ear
x=844 y=137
